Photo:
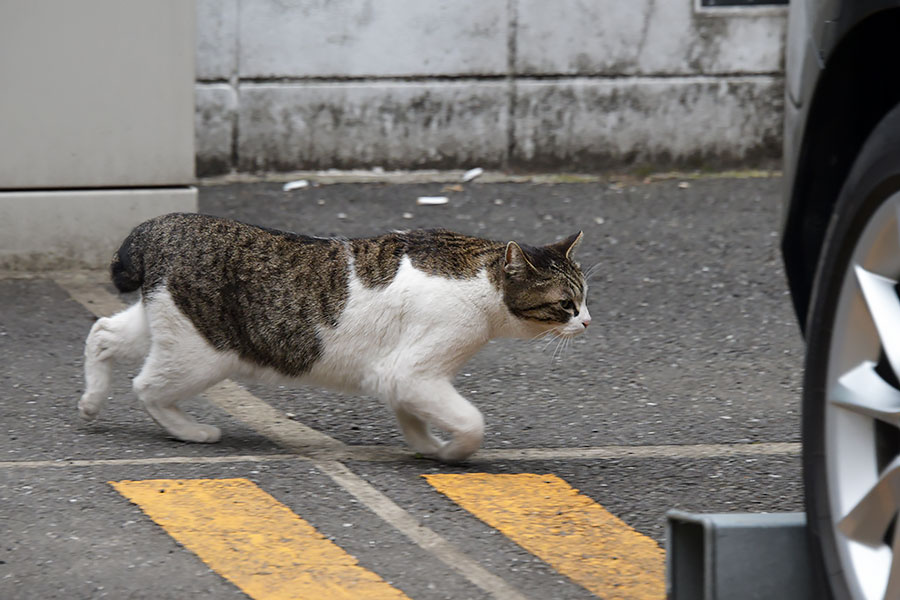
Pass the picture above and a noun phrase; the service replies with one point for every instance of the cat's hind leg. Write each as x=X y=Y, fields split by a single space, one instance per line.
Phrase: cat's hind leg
x=169 y=377
x=180 y=364
x=438 y=403
x=123 y=336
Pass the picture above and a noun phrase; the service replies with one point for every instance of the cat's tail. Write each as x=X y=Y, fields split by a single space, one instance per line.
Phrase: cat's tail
x=127 y=267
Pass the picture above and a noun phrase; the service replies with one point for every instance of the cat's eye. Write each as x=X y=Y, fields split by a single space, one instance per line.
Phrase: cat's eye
x=568 y=305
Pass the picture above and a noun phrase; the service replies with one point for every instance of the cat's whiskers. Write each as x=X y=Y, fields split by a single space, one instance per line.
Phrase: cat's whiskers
x=557 y=340
x=545 y=338
x=561 y=347
x=550 y=343
x=542 y=334
x=592 y=271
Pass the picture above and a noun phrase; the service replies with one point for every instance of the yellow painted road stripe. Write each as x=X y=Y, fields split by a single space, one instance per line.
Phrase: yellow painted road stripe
x=566 y=529
x=254 y=541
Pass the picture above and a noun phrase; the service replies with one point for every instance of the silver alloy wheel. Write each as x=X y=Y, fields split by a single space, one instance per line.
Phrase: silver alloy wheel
x=864 y=494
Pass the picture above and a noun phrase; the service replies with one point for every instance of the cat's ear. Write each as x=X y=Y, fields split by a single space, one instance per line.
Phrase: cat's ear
x=567 y=246
x=516 y=261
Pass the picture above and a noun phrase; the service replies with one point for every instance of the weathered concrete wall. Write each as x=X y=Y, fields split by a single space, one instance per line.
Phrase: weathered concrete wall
x=587 y=85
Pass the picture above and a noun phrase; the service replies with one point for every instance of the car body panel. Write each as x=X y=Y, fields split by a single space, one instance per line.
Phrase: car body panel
x=816 y=30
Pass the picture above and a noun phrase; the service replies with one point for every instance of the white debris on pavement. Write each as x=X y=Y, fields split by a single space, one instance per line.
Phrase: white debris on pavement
x=472 y=174
x=432 y=200
x=295 y=185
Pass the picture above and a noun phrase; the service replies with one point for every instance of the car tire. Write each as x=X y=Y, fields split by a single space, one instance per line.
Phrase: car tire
x=847 y=442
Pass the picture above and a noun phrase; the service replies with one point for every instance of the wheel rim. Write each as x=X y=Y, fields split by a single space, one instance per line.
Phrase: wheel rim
x=862 y=411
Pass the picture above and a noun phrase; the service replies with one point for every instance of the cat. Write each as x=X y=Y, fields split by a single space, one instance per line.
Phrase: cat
x=394 y=316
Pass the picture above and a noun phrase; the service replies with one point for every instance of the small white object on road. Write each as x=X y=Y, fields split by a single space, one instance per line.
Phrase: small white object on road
x=432 y=200
x=295 y=185
x=472 y=174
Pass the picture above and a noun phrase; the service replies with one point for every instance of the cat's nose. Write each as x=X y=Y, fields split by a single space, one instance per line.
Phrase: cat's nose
x=585 y=316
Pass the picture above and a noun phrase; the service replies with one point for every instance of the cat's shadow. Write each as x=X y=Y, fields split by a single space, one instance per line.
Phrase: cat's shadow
x=149 y=435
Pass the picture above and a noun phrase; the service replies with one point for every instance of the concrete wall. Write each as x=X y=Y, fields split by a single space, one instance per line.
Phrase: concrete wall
x=519 y=84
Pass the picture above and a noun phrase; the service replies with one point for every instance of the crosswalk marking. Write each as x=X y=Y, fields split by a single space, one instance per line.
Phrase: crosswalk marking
x=254 y=541
x=270 y=553
x=568 y=530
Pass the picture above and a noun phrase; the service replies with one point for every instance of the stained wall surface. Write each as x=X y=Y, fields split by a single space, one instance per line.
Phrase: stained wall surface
x=522 y=84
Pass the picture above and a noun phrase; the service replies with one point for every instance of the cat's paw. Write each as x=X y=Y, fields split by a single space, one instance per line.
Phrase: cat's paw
x=89 y=407
x=451 y=458
x=202 y=434
x=459 y=449
x=430 y=447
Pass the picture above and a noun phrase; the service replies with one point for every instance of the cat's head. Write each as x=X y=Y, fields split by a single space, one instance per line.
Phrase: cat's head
x=545 y=288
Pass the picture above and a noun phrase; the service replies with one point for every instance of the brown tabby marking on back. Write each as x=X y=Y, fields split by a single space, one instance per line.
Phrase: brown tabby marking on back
x=255 y=291
x=376 y=260
x=434 y=251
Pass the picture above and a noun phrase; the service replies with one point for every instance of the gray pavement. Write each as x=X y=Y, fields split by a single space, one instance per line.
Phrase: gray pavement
x=693 y=343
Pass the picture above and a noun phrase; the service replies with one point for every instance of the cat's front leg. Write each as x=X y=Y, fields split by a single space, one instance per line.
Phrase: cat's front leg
x=436 y=402
x=417 y=434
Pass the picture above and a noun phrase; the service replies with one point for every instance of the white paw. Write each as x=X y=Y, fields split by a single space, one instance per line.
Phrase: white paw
x=428 y=447
x=89 y=408
x=456 y=452
x=203 y=434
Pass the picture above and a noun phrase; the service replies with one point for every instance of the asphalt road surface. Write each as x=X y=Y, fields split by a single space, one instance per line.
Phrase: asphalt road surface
x=683 y=394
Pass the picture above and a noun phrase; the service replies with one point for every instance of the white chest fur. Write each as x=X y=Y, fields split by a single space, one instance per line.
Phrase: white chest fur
x=420 y=323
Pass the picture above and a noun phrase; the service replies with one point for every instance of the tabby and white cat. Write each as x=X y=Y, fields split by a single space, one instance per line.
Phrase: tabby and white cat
x=394 y=316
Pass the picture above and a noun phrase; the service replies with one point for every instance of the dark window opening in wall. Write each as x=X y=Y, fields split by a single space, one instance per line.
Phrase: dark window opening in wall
x=741 y=2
